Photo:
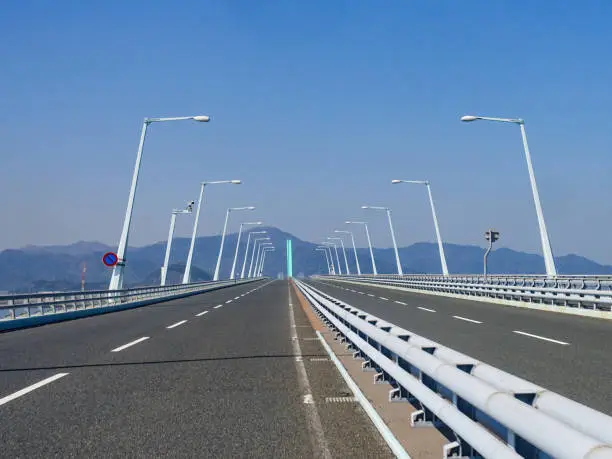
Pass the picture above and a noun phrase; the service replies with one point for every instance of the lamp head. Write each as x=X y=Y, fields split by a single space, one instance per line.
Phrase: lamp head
x=202 y=118
x=468 y=118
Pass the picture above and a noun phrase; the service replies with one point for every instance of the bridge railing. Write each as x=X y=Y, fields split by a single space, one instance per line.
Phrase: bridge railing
x=490 y=413
x=569 y=291
x=23 y=306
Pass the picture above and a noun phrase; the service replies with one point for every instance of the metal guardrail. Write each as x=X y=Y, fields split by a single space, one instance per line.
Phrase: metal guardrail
x=578 y=282
x=23 y=306
x=491 y=413
x=582 y=298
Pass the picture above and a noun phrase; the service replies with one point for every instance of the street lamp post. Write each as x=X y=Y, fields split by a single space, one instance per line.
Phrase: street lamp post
x=327 y=247
x=397 y=258
x=116 y=281
x=246 y=251
x=255 y=241
x=263 y=259
x=551 y=270
x=354 y=248
x=238 y=245
x=348 y=271
x=231 y=209
x=435 y=219
x=175 y=212
x=335 y=246
x=260 y=251
x=374 y=271
x=187 y=273
x=324 y=250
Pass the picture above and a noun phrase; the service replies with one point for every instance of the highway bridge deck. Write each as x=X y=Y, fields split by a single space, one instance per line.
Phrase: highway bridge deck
x=214 y=375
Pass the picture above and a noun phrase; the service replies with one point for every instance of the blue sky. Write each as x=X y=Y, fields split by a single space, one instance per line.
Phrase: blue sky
x=316 y=106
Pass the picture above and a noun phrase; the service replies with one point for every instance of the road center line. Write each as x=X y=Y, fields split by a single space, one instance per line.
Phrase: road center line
x=201 y=313
x=383 y=298
x=427 y=309
x=401 y=302
x=125 y=346
x=236 y=297
x=543 y=338
x=361 y=293
x=25 y=390
x=468 y=320
x=369 y=294
x=218 y=306
x=176 y=324
x=228 y=301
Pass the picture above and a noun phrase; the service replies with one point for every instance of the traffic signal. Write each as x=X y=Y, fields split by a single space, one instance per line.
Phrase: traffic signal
x=492 y=235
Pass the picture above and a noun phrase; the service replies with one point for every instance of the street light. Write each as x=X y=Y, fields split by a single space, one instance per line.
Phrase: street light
x=231 y=209
x=116 y=281
x=549 y=261
x=187 y=273
x=265 y=251
x=258 y=259
x=331 y=257
x=397 y=258
x=175 y=212
x=335 y=246
x=324 y=249
x=369 y=243
x=246 y=251
x=238 y=245
x=435 y=219
x=348 y=271
x=255 y=241
x=354 y=248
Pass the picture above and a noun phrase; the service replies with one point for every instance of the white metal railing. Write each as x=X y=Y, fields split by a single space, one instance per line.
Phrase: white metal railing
x=491 y=413
x=23 y=306
x=544 y=292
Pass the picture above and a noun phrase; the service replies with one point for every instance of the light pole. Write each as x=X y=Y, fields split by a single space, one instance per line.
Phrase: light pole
x=435 y=219
x=374 y=271
x=238 y=245
x=231 y=209
x=397 y=258
x=246 y=251
x=335 y=246
x=116 y=281
x=324 y=250
x=255 y=241
x=551 y=270
x=263 y=259
x=260 y=250
x=175 y=212
x=491 y=236
x=354 y=248
x=187 y=273
x=331 y=257
x=348 y=271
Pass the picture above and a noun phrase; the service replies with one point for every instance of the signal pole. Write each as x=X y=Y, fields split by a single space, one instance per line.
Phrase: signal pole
x=490 y=236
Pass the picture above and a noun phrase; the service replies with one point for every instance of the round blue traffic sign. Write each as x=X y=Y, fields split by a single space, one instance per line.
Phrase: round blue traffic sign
x=110 y=259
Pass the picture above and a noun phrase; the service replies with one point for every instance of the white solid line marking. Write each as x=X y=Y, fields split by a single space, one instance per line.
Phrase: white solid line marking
x=401 y=302
x=136 y=341
x=427 y=309
x=201 y=313
x=383 y=298
x=541 y=337
x=308 y=399
x=468 y=320
x=25 y=390
x=228 y=301
x=218 y=306
x=176 y=324
x=378 y=422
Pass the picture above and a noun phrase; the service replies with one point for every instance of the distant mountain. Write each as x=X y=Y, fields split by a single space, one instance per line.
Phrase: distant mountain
x=35 y=268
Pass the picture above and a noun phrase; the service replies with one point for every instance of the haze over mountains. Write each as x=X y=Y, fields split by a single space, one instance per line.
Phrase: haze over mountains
x=36 y=268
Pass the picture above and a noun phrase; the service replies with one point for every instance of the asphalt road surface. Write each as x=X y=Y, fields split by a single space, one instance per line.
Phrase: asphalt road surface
x=214 y=375
x=571 y=355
